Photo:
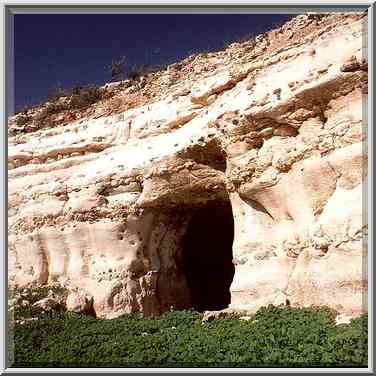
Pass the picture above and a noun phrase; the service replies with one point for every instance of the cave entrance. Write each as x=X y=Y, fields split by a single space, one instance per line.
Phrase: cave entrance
x=207 y=256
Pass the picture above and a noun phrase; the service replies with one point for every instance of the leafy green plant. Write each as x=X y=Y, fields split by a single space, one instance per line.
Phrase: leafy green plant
x=274 y=337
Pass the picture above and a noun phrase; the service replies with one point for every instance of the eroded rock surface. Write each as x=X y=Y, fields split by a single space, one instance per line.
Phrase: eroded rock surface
x=274 y=126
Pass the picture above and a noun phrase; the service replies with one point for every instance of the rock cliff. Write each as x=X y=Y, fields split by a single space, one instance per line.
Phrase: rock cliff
x=268 y=136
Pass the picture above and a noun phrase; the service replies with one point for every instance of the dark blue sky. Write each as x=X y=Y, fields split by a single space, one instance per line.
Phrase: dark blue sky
x=69 y=50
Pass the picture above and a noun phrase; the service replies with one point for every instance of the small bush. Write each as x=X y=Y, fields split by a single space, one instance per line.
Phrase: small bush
x=25 y=110
x=76 y=98
x=56 y=92
x=136 y=72
x=156 y=68
x=117 y=68
x=84 y=97
x=22 y=120
x=55 y=107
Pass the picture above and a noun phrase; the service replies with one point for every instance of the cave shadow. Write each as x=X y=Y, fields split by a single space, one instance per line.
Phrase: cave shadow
x=207 y=256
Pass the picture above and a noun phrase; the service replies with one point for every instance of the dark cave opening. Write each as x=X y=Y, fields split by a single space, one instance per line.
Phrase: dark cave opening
x=207 y=257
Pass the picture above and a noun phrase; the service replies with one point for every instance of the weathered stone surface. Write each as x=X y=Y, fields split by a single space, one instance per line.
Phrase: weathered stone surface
x=213 y=315
x=101 y=201
x=79 y=302
x=48 y=304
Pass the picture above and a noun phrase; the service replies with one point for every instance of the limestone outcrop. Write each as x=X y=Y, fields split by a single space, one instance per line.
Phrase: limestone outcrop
x=274 y=126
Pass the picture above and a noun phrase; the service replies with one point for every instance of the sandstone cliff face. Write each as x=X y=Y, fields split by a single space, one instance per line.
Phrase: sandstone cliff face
x=273 y=126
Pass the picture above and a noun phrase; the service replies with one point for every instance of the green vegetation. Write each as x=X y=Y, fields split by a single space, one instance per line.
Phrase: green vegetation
x=65 y=102
x=84 y=97
x=118 y=70
x=31 y=296
x=136 y=72
x=274 y=337
x=22 y=120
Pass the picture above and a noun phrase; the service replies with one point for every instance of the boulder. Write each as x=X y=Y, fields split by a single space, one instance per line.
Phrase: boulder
x=48 y=304
x=79 y=302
